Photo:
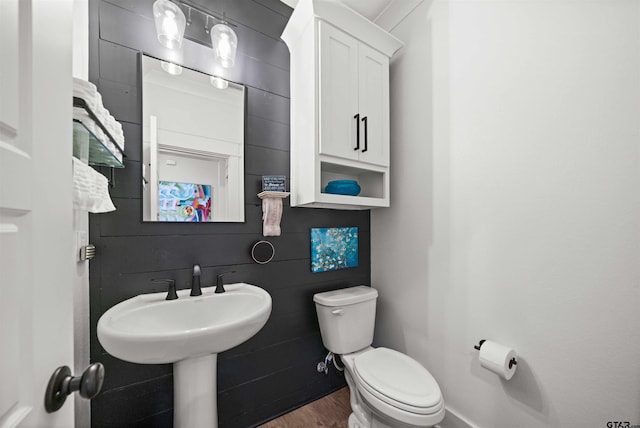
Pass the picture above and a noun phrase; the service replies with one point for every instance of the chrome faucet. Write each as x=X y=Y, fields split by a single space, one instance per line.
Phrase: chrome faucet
x=195 y=281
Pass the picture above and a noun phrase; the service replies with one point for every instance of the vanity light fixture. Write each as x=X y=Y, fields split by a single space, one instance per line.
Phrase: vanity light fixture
x=171 y=68
x=170 y=23
x=219 y=82
x=224 y=41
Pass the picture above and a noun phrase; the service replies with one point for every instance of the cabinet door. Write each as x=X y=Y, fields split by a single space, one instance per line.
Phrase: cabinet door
x=338 y=92
x=374 y=106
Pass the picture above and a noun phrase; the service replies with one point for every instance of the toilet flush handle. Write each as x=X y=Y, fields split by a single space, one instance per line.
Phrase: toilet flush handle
x=337 y=312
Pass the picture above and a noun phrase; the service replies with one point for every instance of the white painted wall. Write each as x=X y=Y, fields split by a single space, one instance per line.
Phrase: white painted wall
x=515 y=211
x=80 y=69
x=80 y=51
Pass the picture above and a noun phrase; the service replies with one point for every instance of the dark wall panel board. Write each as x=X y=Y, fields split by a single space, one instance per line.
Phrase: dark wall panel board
x=240 y=369
x=300 y=219
x=294 y=322
x=268 y=105
x=120 y=26
x=127 y=221
x=292 y=246
x=117 y=287
x=251 y=43
x=278 y=278
x=270 y=78
x=160 y=253
x=127 y=181
x=266 y=390
x=159 y=420
x=133 y=141
x=253 y=186
x=94 y=40
x=276 y=6
x=262 y=161
x=267 y=133
x=282 y=275
x=123 y=101
x=123 y=373
x=274 y=371
x=265 y=17
x=137 y=7
x=249 y=13
x=124 y=406
x=119 y=64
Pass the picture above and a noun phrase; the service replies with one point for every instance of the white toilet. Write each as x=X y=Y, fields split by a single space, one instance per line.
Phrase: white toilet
x=388 y=388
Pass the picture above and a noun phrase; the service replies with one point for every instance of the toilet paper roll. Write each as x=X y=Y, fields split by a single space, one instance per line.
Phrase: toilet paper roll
x=496 y=358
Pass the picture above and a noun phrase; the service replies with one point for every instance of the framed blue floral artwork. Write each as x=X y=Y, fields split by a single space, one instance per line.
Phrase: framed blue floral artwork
x=334 y=248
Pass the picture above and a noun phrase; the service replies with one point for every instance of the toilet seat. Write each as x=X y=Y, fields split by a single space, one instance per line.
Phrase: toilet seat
x=398 y=381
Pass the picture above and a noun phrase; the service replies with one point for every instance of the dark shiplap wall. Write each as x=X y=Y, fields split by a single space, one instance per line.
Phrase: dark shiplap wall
x=276 y=370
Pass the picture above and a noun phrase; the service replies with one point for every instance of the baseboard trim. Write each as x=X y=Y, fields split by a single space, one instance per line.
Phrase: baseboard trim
x=453 y=419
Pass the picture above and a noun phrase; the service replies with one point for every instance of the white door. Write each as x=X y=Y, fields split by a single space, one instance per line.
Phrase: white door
x=338 y=93
x=36 y=253
x=373 y=72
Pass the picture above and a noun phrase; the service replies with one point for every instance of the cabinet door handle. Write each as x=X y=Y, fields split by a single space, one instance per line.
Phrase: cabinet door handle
x=366 y=146
x=357 y=118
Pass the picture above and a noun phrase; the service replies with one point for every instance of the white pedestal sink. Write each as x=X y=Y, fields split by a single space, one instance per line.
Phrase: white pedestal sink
x=188 y=332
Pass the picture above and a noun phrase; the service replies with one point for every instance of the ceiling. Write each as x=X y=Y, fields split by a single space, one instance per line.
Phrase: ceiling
x=370 y=9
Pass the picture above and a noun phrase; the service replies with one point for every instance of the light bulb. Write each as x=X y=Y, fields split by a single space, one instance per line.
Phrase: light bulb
x=170 y=23
x=225 y=43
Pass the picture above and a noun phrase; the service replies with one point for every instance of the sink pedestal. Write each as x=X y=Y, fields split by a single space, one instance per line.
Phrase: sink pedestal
x=194 y=392
x=189 y=332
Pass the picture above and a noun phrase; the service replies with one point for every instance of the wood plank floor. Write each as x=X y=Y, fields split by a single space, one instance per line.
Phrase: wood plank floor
x=331 y=411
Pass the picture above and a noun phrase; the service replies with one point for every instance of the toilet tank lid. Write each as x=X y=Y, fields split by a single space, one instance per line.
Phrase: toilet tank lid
x=346 y=296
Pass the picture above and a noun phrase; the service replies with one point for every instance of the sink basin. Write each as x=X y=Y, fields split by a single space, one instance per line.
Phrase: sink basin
x=188 y=332
x=148 y=329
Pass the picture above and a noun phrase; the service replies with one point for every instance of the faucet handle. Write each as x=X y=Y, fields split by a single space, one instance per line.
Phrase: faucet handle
x=220 y=282
x=171 y=293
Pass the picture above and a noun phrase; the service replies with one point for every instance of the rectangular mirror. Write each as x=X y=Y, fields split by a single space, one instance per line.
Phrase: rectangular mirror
x=192 y=145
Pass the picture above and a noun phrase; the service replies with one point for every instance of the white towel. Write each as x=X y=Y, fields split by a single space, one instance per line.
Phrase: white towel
x=90 y=189
x=88 y=92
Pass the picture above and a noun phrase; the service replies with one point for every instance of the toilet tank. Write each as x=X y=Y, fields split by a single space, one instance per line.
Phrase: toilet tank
x=347 y=318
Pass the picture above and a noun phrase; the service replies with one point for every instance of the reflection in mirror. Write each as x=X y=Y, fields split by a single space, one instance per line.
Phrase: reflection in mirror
x=193 y=145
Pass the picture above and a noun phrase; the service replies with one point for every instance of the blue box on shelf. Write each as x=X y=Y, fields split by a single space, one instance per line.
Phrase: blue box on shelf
x=343 y=187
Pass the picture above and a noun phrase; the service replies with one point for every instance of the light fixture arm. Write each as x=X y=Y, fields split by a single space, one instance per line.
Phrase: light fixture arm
x=170 y=22
x=189 y=15
x=208 y=15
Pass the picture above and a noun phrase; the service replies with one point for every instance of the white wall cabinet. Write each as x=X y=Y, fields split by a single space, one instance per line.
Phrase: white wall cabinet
x=354 y=98
x=339 y=105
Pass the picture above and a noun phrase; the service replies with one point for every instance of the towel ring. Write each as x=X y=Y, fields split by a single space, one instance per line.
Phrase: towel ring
x=262 y=252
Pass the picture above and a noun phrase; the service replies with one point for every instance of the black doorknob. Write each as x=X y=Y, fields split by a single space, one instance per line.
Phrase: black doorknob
x=61 y=384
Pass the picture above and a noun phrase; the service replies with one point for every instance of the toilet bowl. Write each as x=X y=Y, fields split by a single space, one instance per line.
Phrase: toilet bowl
x=388 y=388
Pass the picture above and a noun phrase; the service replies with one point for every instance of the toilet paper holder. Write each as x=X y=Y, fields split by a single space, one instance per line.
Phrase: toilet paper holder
x=512 y=362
